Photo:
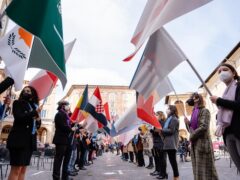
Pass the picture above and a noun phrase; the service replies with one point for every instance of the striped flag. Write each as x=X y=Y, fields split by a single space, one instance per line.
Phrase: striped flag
x=78 y=113
x=156 y=14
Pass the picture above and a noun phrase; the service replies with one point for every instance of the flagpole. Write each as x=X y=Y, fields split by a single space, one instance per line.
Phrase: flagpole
x=2 y=15
x=199 y=77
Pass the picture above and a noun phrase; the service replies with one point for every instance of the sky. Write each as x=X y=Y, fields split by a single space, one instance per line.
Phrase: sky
x=104 y=28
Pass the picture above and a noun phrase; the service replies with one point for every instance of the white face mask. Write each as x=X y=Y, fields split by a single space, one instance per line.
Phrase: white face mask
x=67 y=108
x=225 y=76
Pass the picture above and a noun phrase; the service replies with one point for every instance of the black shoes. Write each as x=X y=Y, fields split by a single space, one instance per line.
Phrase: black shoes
x=163 y=177
x=82 y=168
x=155 y=173
x=150 y=166
x=72 y=173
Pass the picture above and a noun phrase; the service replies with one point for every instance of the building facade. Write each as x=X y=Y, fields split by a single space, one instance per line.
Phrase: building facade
x=215 y=86
x=119 y=98
x=45 y=133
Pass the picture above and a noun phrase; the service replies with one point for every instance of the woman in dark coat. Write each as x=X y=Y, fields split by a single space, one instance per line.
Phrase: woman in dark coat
x=22 y=139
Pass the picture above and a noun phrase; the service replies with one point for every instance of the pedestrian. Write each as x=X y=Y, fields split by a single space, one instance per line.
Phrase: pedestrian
x=62 y=141
x=139 y=145
x=170 y=139
x=228 y=116
x=147 y=141
x=22 y=139
x=160 y=156
x=130 y=151
x=201 y=144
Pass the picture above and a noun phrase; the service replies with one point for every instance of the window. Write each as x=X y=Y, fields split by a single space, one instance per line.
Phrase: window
x=43 y=113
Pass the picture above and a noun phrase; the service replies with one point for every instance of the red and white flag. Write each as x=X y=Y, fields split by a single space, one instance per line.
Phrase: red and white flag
x=145 y=111
x=96 y=118
x=156 y=14
x=160 y=57
x=44 y=81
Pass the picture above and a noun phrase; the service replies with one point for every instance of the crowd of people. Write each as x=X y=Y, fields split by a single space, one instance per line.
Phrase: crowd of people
x=75 y=147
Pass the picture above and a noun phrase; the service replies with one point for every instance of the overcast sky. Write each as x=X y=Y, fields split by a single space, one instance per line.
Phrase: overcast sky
x=104 y=28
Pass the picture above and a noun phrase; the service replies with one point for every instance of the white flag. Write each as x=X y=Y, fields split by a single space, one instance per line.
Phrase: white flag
x=126 y=137
x=128 y=119
x=15 y=50
x=157 y=13
x=160 y=57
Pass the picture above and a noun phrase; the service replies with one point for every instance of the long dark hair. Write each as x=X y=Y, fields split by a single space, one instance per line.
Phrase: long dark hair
x=34 y=99
x=201 y=103
x=236 y=77
x=173 y=110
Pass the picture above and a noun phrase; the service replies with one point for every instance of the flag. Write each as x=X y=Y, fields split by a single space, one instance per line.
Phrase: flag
x=128 y=119
x=47 y=78
x=78 y=113
x=128 y=136
x=145 y=111
x=160 y=57
x=156 y=14
x=15 y=50
x=43 y=19
x=96 y=118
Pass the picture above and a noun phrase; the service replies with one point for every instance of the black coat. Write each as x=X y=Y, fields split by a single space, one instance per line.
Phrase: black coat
x=21 y=135
x=235 y=106
x=157 y=139
x=63 y=131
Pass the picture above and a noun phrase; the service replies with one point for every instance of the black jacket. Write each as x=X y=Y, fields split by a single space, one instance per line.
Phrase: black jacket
x=21 y=135
x=157 y=139
x=63 y=131
x=235 y=106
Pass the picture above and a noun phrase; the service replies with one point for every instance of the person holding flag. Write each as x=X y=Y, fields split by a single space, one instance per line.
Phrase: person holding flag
x=62 y=140
x=22 y=139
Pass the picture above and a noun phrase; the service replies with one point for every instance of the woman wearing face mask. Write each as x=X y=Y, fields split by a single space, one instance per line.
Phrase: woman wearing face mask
x=202 y=155
x=228 y=116
x=170 y=140
x=22 y=139
x=62 y=140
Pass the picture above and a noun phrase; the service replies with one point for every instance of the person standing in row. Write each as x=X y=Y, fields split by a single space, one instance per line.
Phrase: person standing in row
x=62 y=141
x=202 y=155
x=22 y=139
x=160 y=156
x=228 y=116
x=170 y=139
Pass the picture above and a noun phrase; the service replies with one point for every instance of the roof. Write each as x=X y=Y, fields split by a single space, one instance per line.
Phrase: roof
x=223 y=61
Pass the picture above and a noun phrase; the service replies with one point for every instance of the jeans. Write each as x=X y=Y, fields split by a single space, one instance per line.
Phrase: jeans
x=72 y=160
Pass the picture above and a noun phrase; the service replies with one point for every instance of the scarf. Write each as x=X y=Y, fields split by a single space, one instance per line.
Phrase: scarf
x=224 y=116
x=166 y=124
x=194 y=118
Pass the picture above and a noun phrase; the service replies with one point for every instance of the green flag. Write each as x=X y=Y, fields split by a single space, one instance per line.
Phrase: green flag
x=43 y=19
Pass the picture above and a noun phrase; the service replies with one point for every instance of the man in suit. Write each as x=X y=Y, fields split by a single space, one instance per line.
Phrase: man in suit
x=62 y=140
